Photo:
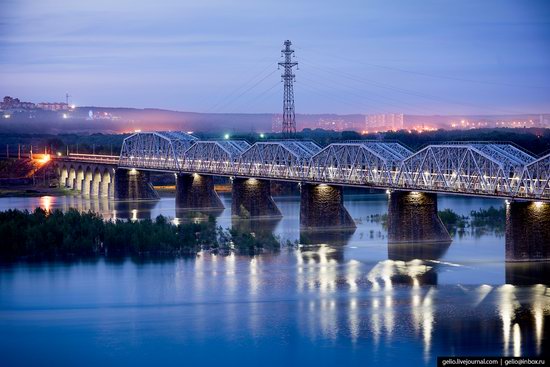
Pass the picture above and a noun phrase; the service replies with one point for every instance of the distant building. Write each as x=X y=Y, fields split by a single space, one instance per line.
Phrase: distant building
x=335 y=124
x=277 y=124
x=387 y=121
x=9 y=103
x=53 y=106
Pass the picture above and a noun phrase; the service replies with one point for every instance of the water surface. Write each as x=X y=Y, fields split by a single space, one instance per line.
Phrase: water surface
x=339 y=299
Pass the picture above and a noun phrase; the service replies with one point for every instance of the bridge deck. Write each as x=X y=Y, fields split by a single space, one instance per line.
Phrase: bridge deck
x=476 y=169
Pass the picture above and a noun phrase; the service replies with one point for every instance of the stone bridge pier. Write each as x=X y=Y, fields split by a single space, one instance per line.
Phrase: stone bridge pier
x=131 y=184
x=322 y=207
x=194 y=191
x=413 y=218
x=527 y=231
x=251 y=197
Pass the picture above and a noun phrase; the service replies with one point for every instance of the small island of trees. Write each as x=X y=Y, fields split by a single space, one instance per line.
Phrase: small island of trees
x=53 y=234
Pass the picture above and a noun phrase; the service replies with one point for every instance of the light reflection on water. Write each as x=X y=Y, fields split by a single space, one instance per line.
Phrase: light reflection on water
x=342 y=299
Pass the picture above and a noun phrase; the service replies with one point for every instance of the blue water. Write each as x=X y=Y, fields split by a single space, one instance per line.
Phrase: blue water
x=354 y=301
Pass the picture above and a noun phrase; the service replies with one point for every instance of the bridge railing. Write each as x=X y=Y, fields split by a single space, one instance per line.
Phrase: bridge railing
x=481 y=177
x=92 y=158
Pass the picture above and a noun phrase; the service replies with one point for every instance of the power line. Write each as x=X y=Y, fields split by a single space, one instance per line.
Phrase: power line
x=398 y=105
x=425 y=74
x=259 y=96
x=245 y=91
x=402 y=90
x=235 y=91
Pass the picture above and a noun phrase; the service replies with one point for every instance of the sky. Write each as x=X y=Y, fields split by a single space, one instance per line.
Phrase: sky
x=354 y=56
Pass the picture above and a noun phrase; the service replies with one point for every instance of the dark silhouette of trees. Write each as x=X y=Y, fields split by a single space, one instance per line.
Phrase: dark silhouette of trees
x=52 y=234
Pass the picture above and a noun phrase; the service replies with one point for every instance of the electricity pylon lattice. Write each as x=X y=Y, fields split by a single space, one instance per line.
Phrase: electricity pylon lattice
x=289 y=117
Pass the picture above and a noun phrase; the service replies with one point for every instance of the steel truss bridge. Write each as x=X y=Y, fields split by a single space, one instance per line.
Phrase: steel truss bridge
x=467 y=168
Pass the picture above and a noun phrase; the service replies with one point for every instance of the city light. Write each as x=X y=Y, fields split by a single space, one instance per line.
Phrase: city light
x=226 y=136
x=262 y=135
x=7 y=116
x=65 y=116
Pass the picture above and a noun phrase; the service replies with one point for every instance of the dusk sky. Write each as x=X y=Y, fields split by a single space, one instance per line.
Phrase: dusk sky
x=417 y=57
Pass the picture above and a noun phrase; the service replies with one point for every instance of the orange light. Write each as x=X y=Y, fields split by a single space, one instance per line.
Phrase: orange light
x=42 y=158
x=45 y=202
x=45 y=159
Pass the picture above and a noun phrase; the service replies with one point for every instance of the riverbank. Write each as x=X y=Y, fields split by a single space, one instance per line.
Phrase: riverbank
x=34 y=191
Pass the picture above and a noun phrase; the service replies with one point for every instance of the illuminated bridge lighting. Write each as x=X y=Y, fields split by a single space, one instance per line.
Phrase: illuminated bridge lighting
x=478 y=169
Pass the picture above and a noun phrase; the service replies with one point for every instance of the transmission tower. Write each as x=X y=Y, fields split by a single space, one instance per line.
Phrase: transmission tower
x=289 y=119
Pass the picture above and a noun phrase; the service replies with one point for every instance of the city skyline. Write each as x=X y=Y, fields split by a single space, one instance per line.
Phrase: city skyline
x=422 y=58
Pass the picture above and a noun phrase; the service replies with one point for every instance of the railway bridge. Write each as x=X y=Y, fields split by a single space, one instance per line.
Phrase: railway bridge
x=411 y=179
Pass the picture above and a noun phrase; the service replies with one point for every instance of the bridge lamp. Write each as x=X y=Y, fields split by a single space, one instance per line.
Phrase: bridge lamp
x=59 y=154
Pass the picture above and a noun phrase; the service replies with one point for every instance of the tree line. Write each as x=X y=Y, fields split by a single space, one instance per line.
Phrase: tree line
x=52 y=234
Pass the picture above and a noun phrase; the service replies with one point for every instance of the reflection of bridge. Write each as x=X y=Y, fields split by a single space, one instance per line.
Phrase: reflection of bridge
x=413 y=178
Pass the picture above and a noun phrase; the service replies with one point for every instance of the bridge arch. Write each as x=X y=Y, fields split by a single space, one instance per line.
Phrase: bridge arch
x=483 y=168
x=63 y=172
x=217 y=156
x=155 y=150
x=365 y=162
x=71 y=178
x=96 y=181
x=278 y=159
x=79 y=178
x=536 y=178
x=106 y=186
x=87 y=181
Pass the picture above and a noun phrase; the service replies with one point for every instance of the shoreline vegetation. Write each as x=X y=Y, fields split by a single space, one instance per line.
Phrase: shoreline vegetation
x=45 y=234
x=55 y=234
x=480 y=221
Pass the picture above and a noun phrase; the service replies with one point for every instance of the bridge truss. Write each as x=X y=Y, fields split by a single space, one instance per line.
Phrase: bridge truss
x=470 y=168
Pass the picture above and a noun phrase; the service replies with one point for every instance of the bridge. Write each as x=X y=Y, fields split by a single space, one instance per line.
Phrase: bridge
x=412 y=179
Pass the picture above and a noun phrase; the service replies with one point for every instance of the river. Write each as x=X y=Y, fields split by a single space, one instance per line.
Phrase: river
x=348 y=299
